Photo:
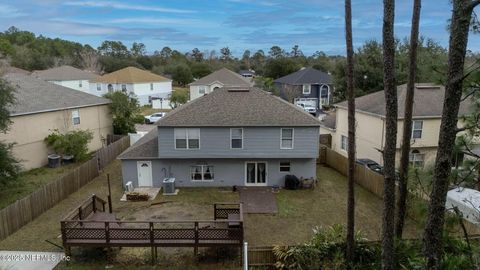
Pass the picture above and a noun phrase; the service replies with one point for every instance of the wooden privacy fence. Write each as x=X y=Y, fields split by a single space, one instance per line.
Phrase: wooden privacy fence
x=366 y=178
x=21 y=212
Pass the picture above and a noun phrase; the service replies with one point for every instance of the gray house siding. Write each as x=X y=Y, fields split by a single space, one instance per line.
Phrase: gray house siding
x=227 y=172
x=258 y=142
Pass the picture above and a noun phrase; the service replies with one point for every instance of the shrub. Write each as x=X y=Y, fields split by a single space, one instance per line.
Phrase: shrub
x=73 y=143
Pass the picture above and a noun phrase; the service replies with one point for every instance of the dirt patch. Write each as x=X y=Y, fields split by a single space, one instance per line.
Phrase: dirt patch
x=173 y=211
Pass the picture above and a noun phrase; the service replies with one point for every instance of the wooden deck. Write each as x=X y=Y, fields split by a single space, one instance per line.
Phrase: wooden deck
x=90 y=225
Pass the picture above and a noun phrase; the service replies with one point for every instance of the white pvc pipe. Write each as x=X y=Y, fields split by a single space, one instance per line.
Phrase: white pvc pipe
x=245 y=256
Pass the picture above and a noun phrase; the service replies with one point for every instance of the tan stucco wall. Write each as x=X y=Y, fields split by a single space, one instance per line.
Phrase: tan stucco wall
x=29 y=131
x=370 y=132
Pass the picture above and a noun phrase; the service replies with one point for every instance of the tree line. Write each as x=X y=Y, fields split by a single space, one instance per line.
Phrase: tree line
x=25 y=50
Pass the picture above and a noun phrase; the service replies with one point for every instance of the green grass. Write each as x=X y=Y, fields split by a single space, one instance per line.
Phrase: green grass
x=30 y=181
x=299 y=212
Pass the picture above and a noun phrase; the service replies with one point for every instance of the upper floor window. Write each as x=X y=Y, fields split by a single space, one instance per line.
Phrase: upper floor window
x=286 y=138
x=344 y=143
x=306 y=89
x=201 y=90
x=75 y=117
x=99 y=87
x=110 y=88
x=80 y=84
x=124 y=88
x=187 y=138
x=417 y=127
x=151 y=86
x=236 y=138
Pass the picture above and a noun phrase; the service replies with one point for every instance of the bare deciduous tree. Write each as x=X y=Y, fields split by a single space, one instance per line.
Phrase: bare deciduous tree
x=407 y=121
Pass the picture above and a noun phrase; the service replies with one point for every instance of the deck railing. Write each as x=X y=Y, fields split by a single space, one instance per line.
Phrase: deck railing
x=225 y=230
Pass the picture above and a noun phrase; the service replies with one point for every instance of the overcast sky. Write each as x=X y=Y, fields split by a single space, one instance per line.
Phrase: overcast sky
x=212 y=24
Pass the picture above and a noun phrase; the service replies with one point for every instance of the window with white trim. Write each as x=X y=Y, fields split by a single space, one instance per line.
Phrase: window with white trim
x=417 y=127
x=124 y=88
x=151 y=86
x=99 y=87
x=236 y=138
x=75 y=117
x=284 y=166
x=416 y=159
x=344 y=143
x=80 y=84
x=187 y=138
x=201 y=90
x=306 y=89
x=286 y=138
x=201 y=173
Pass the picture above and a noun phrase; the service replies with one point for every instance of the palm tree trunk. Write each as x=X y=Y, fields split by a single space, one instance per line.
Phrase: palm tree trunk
x=459 y=29
x=407 y=122
x=388 y=249
x=351 y=137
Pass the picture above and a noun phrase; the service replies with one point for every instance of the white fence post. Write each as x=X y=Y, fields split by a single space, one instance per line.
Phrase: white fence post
x=245 y=256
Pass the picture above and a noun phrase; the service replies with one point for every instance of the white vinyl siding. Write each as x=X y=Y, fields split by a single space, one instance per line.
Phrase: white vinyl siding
x=187 y=138
x=286 y=138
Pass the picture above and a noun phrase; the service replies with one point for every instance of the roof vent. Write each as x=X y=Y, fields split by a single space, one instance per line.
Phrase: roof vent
x=238 y=89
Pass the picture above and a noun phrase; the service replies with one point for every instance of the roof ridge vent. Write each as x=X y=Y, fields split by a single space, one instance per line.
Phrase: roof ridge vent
x=238 y=89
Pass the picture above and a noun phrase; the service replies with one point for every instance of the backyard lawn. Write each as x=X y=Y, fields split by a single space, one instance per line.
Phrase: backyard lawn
x=299 y=213
x=30 y=181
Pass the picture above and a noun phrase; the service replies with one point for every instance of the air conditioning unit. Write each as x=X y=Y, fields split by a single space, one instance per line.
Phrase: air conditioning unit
x=169 y=186
x=129 y=186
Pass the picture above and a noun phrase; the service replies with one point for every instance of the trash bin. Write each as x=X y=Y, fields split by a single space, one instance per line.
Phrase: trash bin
x=54 y=161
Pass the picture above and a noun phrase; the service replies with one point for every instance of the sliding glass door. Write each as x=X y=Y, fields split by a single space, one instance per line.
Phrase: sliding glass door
x=256 y=173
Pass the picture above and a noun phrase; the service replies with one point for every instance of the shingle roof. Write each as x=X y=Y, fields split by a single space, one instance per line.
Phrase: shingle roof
x=131 y=75
x=329 y=121
x=235 y=107
x=145 y=147
x=64 y=73
x=35 y=95
x=225 y=76
x=306 y=75
x=428 y=101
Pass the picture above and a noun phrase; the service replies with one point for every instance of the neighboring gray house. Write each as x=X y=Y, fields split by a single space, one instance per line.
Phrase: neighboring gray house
x=232 y=136
x=218 y=79
x=307 y=86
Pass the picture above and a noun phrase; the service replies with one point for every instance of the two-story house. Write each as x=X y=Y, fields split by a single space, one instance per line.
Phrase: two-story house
x=41 y=107
x=306 y=87
x=68 y=76
x=144 y=84
x=216 y=80
x=370 y=127
x=232 y=136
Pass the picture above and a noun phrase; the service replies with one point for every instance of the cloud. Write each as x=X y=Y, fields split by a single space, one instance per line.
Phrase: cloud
x=157 y=20
x=117 y=5
x=8 y=11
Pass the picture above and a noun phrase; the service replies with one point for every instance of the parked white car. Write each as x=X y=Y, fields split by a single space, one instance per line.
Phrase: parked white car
x=150 y=119
x=307 y=107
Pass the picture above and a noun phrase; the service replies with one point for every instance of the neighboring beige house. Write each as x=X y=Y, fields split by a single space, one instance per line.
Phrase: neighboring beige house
x=42 y=107
x=370 y=124
x=68 y=76
x=144 y=84
x=216 y=80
